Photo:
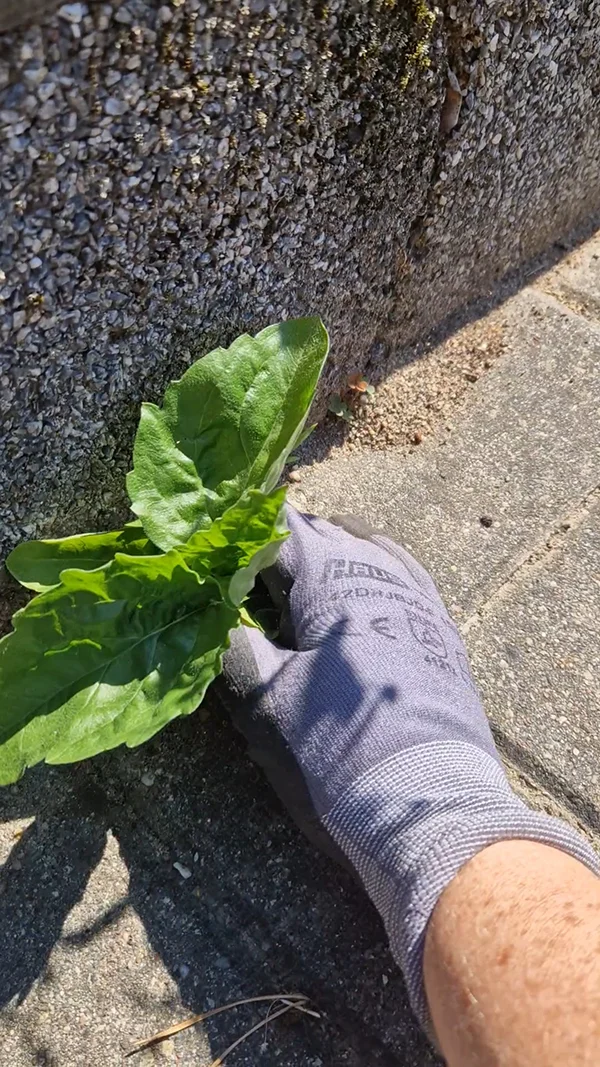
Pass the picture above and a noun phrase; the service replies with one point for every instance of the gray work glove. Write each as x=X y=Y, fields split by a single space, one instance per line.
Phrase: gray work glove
x=371 y=729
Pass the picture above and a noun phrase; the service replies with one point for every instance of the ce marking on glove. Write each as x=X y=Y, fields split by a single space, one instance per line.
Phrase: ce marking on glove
x=425 y=631
x=382 y=625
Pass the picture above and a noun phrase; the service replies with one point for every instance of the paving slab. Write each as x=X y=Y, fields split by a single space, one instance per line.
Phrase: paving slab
x=524 y=584
x=523 y=454
x=104 y=942
x=535 y=650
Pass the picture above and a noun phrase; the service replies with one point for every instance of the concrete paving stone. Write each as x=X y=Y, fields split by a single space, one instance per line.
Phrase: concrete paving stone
x=535 y=651
x=100 y=982
x=523 y=453
x=104 y=942
x=77 y=973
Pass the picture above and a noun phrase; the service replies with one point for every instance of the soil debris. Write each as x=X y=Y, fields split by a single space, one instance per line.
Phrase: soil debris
x=420 y=394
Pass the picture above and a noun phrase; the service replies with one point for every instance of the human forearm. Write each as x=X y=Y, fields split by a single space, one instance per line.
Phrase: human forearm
x=414 y=823
x=512 y=961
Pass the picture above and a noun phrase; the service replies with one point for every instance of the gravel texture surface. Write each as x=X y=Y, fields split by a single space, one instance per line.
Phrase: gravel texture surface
x=172 y=173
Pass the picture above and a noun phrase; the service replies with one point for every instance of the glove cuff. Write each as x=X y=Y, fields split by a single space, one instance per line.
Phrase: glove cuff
x=408 y=826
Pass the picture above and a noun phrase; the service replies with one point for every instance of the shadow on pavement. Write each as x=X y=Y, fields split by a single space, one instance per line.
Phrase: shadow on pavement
x=261 y=912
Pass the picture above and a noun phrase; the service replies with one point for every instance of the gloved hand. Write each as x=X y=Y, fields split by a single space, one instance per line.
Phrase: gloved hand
x=371 y=730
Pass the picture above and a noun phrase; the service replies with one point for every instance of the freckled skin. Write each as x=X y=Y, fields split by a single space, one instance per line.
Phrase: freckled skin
x=512 y=961
x=504 y=956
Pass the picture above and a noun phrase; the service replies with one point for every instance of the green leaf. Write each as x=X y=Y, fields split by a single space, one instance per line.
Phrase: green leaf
x=243 y=541
x=228 y=425
x=38 y=564
x=164 y=486
x=108 y=658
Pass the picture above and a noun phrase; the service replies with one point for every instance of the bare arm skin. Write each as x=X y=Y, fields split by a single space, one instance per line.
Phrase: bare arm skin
x=512 y=961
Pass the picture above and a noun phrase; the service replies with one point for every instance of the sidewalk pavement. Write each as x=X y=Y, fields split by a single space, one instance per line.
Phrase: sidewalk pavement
x=105 y=942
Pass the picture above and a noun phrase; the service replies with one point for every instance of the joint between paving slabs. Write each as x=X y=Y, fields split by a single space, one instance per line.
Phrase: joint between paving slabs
x=551 y=793
x=538 y=558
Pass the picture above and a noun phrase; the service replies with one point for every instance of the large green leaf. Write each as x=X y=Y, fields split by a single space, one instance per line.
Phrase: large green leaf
x=228 y=425
x=108 y=658
x=239 y=544
x=164 y=486
x=38 y=564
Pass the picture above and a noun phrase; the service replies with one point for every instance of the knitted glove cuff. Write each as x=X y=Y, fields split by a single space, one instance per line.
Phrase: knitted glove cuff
x=409 y=824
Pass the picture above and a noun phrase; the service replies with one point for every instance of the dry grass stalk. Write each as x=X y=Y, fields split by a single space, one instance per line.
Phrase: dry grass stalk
x=248 y=1033
x=290 y=1000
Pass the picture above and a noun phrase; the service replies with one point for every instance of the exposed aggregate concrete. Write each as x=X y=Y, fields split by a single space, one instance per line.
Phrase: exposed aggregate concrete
x=171 y=174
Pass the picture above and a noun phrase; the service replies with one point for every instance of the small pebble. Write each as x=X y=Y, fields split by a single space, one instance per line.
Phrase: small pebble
x=72 y=12
x=114 y=106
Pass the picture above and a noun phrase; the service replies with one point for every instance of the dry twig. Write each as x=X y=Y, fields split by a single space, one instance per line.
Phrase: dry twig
x=291 y=1000
x=262 y=1022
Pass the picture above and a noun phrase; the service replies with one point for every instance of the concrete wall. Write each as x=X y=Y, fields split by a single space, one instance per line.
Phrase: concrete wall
x=173 y=174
